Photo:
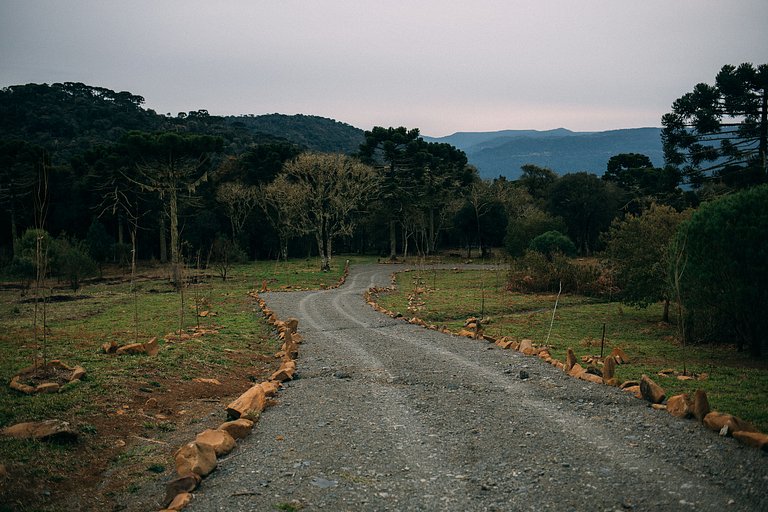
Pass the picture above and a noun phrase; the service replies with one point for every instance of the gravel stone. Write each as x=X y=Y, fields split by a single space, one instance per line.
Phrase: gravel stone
x=425 y=421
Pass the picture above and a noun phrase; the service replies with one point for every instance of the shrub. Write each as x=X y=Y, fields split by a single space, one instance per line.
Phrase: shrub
x=724 y=278
x=23 y=269
x=552 y=242
x=530 y=224
x=224 y=253
x=73 y=262
x=99 y=242
x=535 y=272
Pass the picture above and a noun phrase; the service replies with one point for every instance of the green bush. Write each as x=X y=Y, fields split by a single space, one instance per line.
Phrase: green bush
x=532 y=223
x=73 y=262
x=552 y=242
x=21 y=268
x=535 y=272
x=722 y=252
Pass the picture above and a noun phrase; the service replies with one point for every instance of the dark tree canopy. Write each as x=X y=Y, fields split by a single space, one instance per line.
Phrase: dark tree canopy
x=587 y=204
x=724 y=285
x=419 y=179
x=721 y=127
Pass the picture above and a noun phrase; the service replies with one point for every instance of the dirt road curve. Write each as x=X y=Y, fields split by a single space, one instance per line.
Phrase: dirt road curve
x=389 y=416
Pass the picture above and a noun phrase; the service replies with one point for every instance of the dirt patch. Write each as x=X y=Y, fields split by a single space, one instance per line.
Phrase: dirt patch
x=125 y=452
x=44 y=374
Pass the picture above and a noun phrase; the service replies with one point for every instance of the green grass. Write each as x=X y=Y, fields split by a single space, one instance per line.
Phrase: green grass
x=736 y=384
x=76 y=330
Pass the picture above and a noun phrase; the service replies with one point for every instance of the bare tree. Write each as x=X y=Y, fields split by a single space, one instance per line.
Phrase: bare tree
x=280 y=203
x=239 y=201
x=330 y=191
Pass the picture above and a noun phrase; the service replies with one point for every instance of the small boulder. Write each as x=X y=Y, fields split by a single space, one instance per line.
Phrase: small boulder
x=220 y=440
x=292 y=324
x=152 y=347
x=270 y=387
x=700 y=405
x=48 y=387
x=182 y=484
x=619 y=356
x=679 y=406
x=291 y=349
x=285 y=372
x=109 y=348
x=651 y=391
x=609 y=368
x=132 y=349
x=180 y=501
x=526 y=347
x=570 y=359
x=726 y=423
x=19 y=386
x=590 y=377
x=238 y=429
x=576 y=370
x=48 y=430
x=195 y=458
x=78 y=373
x=248 y=405
x=754 y=439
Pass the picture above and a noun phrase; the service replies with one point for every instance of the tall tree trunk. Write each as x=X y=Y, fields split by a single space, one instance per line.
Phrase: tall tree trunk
x=432 y=237
x=175 y=248
x=14 y=231
x=120 y=230
x=163 y=244
x=405 y=242
x=325 y=265
x=392 y=239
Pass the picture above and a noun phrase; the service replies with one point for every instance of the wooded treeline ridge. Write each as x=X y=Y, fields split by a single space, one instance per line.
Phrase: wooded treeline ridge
x=94 y=176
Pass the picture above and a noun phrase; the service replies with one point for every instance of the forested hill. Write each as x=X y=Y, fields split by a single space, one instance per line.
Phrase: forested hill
x=69 y=118
x=563 y=151
x=313 y=132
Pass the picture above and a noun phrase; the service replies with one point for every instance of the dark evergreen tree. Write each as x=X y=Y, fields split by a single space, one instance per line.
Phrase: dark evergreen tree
x=722 y=129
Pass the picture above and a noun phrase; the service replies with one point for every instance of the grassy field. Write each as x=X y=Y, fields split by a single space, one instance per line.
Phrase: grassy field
x=119 y=435
x=735 y=383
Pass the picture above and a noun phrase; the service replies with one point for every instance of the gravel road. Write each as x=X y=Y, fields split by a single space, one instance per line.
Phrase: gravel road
x=390 y=416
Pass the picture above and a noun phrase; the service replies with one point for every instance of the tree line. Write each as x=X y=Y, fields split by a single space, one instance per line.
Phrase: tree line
x=123 y=182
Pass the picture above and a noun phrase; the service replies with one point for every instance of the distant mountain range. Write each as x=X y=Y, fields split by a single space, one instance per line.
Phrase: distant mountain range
x=502 y=153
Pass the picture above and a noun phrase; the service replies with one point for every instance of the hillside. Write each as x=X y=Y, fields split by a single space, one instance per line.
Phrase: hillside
x=504 y=152
x=313 y=132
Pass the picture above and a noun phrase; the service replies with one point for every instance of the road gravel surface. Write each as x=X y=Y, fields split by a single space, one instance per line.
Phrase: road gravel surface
x=391 y=416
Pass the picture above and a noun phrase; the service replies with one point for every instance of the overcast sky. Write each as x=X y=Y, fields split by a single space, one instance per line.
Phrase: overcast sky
x=441 y=66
